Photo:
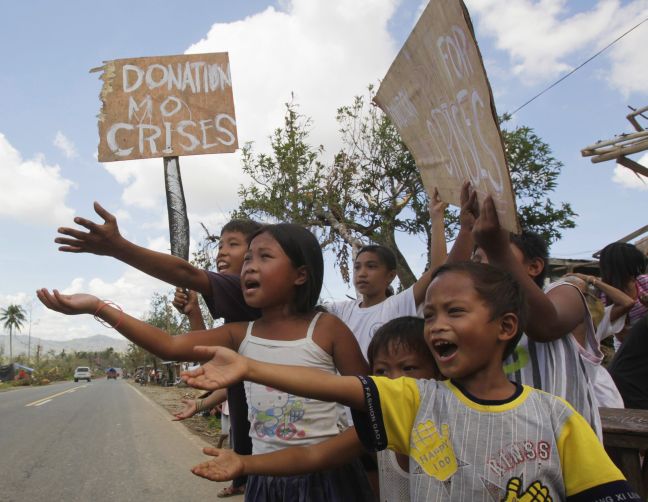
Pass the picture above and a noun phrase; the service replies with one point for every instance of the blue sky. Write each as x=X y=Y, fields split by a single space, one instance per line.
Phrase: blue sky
x=325 y=51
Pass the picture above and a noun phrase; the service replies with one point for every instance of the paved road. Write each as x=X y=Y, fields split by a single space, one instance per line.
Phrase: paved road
x=98 y=441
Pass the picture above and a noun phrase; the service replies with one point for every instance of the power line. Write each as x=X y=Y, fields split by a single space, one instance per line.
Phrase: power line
x=579 y=66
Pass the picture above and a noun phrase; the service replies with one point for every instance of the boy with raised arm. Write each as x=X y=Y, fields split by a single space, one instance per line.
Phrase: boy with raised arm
x=476 y=436
x=548 y=355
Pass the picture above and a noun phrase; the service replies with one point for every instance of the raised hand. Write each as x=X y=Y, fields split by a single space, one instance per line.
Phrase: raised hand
x=225 y=368
x=487 y=232
x=189 y=410
x=436 y=207
x=469 y=211
x=68 y=304
x=185 y=301
x=226 y=465
x=101 y=239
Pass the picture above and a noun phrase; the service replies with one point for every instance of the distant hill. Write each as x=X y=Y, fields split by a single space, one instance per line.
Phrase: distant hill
x=95 y=343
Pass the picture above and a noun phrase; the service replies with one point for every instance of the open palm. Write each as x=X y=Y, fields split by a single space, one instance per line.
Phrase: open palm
x=225 y=465
x=225 y=368
x=68 y=304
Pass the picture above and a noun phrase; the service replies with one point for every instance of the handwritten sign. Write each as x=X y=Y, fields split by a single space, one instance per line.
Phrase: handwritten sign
x=437 y=95
x=166 y=106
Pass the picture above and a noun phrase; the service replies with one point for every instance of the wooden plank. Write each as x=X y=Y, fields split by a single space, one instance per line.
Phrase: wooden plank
x=624 y=421
x=633 y=166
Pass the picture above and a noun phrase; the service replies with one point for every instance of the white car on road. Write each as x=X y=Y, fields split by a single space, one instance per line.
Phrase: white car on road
x=82 y=373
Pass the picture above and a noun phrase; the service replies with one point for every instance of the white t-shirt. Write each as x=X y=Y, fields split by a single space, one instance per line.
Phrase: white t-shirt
x=364 y=322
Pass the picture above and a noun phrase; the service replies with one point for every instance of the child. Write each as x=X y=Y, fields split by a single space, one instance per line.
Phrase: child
x=374 y=269
x=282 y=276
x=398 y=349
x=476 y=437
x=548 y=355
x=624 y=267
x=221 y=291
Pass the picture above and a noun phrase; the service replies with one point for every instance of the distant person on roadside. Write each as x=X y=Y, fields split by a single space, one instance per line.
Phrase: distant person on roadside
x=221 y=291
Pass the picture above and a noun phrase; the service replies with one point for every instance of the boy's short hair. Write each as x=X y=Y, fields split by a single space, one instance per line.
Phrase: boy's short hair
x=405 y=332
x=246 y=227
x=498 y=289
x=533 y=245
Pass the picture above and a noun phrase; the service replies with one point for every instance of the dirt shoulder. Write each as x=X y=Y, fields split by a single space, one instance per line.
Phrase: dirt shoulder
x=170 y=399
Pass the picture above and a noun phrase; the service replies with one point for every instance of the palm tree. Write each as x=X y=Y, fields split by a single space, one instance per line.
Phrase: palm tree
x=13 y=317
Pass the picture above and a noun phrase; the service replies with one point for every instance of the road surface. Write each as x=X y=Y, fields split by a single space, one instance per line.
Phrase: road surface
x=97 y=441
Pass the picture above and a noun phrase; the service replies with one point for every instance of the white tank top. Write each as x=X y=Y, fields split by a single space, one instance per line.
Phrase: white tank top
x=278 y=419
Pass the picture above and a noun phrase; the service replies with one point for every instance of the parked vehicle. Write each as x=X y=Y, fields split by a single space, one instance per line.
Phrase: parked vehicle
x=82 y=373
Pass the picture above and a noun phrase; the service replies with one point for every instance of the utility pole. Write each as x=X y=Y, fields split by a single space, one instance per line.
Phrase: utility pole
x=31 y=305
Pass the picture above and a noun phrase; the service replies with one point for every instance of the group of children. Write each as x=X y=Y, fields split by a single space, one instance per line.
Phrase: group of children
x=461 y=425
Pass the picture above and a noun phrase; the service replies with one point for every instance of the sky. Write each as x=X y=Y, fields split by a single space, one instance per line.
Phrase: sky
x=324 y=52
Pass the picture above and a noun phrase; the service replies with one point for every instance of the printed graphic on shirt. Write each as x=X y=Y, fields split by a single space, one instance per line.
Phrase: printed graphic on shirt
x=535 y=492
x=433 y=451
x=275 y=413
x=514 y=454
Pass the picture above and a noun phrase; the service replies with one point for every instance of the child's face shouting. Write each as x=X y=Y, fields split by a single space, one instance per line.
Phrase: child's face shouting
x=231 y=251
x=268 y=277
x=395 y=361
x=463 y=338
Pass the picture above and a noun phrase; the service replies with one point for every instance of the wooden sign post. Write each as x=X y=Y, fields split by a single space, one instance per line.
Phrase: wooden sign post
x=437 y=95
x=167 y=106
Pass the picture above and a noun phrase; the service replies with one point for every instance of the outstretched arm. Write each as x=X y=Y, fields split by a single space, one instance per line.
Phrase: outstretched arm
x=551 y=315
x=226 y=368
x=193 y=406
x=155 y=340
x=292 y=461
x=105 y=239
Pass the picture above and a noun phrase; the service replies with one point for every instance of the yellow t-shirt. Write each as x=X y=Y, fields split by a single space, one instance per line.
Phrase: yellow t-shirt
x=462 y=448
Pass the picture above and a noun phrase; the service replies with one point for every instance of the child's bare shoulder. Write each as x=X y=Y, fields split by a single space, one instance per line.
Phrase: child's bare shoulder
x=332 y=324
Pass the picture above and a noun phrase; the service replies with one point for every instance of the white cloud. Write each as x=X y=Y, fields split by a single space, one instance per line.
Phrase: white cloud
x=325 y=51
x=63 y=143
x=629 y=72
x=30 y=190
x=545 y=38
x=629 y=179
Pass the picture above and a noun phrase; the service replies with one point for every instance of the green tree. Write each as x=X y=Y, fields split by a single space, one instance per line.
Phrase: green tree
x=534 y=175
x=14 y=318
x=371 y=191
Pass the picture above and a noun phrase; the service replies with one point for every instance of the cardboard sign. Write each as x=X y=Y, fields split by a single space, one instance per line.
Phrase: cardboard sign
x=166 y=106
x=437 y=95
